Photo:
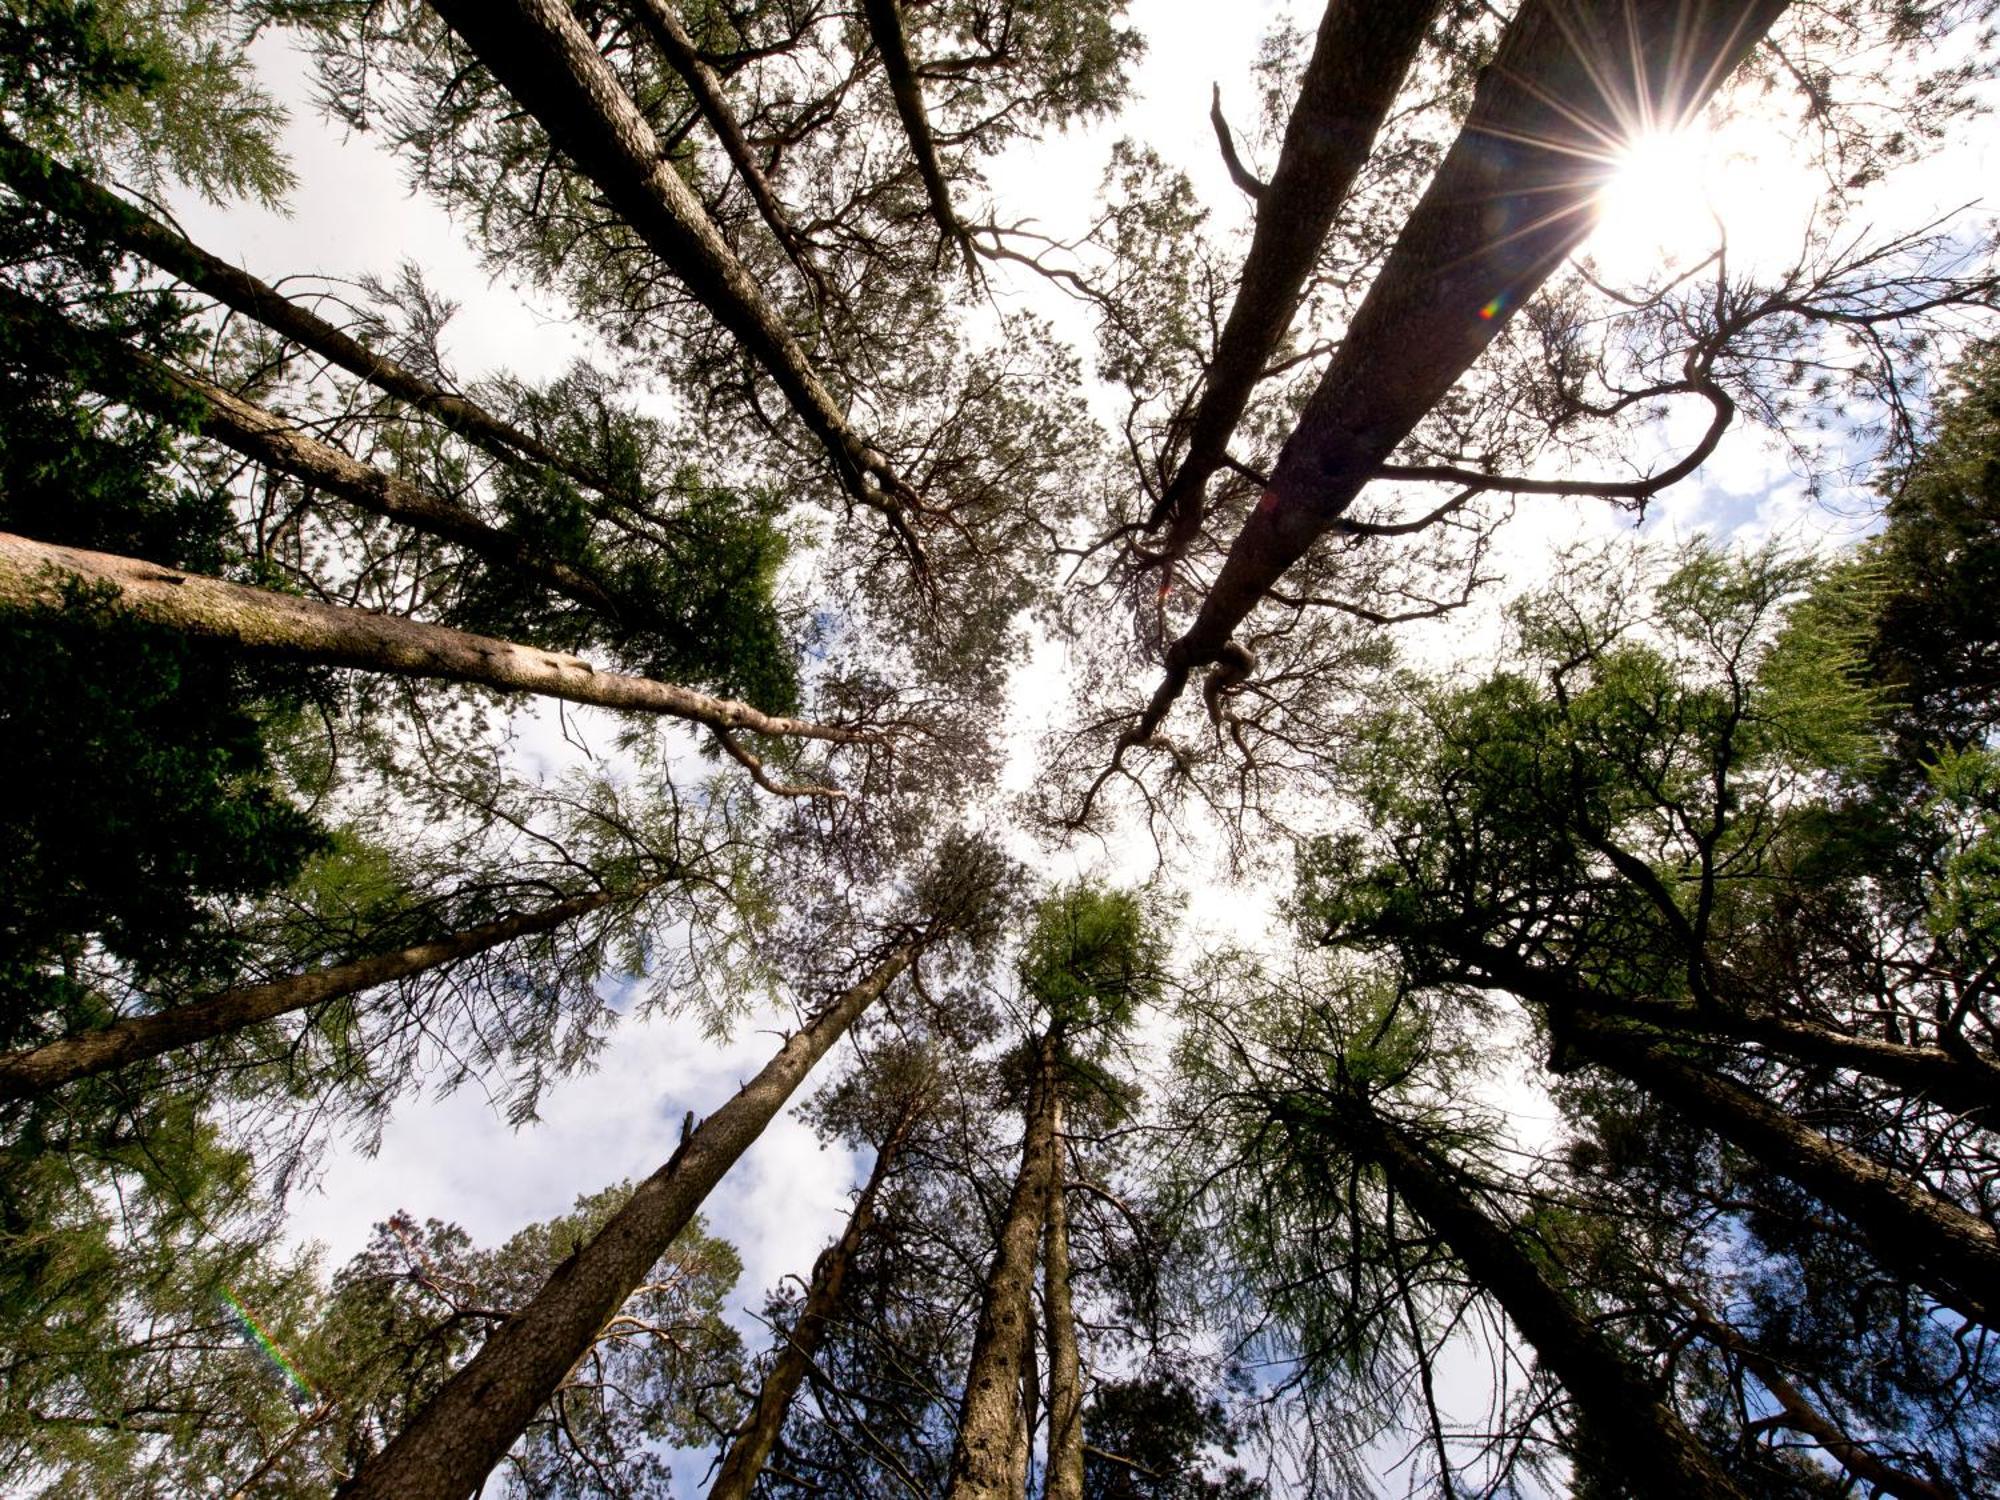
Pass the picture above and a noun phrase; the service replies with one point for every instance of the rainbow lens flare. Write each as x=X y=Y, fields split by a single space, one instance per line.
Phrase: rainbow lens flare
x=254 y=1334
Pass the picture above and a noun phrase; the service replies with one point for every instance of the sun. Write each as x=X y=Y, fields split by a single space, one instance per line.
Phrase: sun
x=1676 y=196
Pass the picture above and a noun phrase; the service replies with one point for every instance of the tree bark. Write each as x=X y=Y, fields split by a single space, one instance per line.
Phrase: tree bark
x=981 y=1463
x=547 y=62
x=678 y=48
x=265 y=623
x=1655 y=1453
x=1952 y=1254
x=1064 y=1480
x=759 y=1434
x=885 y=25
x=36 y=1070
x=447 y=1449
x=1967 y=1084
x=1515 y=195
x=1359 y=60
x=41 y=179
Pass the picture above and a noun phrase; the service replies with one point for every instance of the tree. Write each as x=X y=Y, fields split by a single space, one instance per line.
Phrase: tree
x=282 y=585
x=1089 y=962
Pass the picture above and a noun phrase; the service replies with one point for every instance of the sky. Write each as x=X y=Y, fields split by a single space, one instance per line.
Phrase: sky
x=454 y=1157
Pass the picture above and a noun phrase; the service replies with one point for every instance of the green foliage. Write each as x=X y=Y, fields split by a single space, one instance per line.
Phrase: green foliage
x=126 y=1371
x=1093 y=957
x=142 y=802
x=149 y=89
x=1153 y=1437
x=1933 y=644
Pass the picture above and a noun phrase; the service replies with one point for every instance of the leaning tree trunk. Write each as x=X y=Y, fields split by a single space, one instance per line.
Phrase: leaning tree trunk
x=1656 y=1455
x=1514 y=196
x=33 y=575
x=545 y=59
x=759 y=1433
x=1952 y=1254
x=664 y=26
x=1065 y=1454
x=1967 y=1084
x=981 y=1462
x=41 y=179
x=885 y=26
x=449 y=1447
x=36 y=1070
x=1363 y=51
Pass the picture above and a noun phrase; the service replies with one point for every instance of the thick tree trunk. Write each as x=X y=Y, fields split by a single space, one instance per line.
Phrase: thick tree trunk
x=546 y=61
x=981 y=1463
x=1966 y=1084
x=448 y=1448
x=41 y=179
x=32 y=575
x=1800 y=1415
x=36 y=1070
x=1952 y=1254
x=133 y=377
x=1065 y=1453
x=759 y=1433
x=678 y=48
x=885 y=25
x=1657 y=1456
x=1515 y=195
x=1363 y=51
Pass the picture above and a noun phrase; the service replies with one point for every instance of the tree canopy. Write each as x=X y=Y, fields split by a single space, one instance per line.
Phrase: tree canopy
x=1057 y=818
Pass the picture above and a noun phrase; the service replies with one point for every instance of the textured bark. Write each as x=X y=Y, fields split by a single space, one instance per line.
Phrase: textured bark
x=1967 y=1083
x=678 y=48
x=885 y=25
x=1657 y=1457
x=1064 y=1480
x=1800 y=1415
x=265 y=623
x=547 y=62
x=1359 y=60
x=759 y=1433
x=1952 y=1254
x=1514 y=196
x=447 y=1449
x=36 y=1070
x=41 y=179
x=982 y=1461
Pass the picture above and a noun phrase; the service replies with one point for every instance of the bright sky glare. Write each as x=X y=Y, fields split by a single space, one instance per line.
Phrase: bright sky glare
x=1677 y=195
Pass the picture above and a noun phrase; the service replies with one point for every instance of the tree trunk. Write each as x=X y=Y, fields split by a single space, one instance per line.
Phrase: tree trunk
x=885 y=25
x=1359 y=60
x=981 y=1463
x=1952 y=1254
x=678 y=48
x=547 y=62
x=1655 y=1453
x=447 y=1449
x=754 y=1440
x=36 y=1070
x=1514 y=196
x=32 y=575
x=1065 y=1455
x=1967 y=1084
x=41 y=179
x=137 y=379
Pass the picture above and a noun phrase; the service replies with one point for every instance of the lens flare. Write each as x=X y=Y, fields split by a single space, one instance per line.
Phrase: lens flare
x=257 y=1338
